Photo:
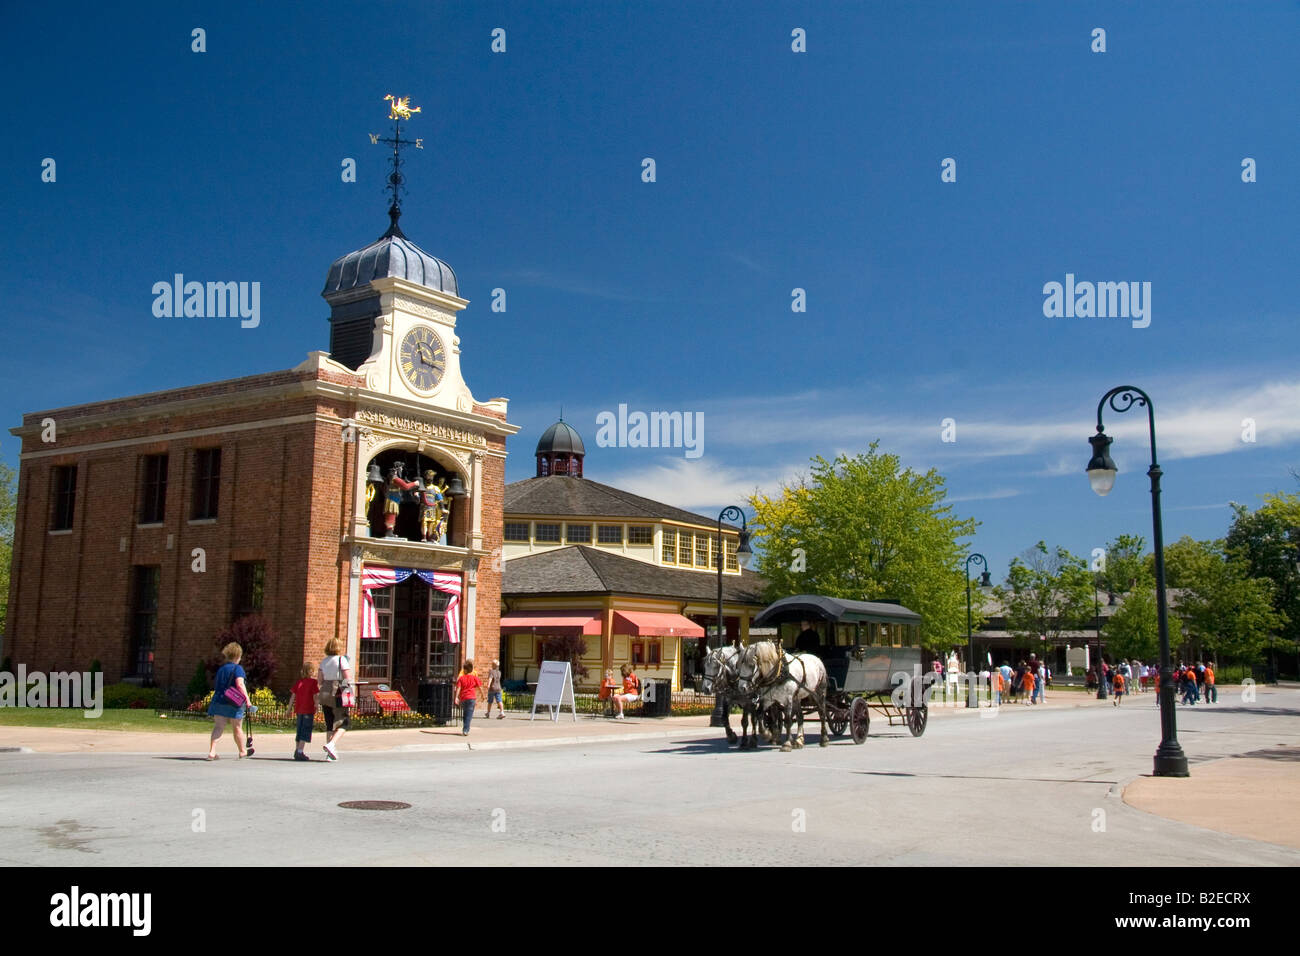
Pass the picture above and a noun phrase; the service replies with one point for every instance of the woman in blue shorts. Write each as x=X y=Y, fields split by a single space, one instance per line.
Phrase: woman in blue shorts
x=229 y=674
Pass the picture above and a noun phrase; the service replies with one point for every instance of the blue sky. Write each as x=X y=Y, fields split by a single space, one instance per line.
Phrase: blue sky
x=775 y=170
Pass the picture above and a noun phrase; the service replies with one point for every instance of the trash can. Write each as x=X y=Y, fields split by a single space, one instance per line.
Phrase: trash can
x=659 y=701
x=434 y=699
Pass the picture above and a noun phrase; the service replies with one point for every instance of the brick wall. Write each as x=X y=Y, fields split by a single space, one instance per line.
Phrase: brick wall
x=487 y=618
x=284 y=500
x=71 y=594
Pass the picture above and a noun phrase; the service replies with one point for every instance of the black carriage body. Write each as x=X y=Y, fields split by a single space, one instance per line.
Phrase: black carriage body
x=871 y=670
x=874 y=648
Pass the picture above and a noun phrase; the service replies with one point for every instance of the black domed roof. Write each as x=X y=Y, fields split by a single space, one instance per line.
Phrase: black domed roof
x=560 y=437
x=391 y=255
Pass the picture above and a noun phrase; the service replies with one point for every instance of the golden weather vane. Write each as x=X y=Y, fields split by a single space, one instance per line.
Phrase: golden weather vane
x=400 y=109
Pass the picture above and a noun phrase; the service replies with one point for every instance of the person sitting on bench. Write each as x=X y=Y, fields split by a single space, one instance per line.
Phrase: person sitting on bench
x=631 y=690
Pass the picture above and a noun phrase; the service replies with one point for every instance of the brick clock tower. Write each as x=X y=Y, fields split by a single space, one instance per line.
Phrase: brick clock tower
x=393 y=324
x=357 y=496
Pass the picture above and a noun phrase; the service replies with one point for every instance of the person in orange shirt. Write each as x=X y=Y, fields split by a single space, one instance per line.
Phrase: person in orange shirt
x=1028 y=685
x=995 y=686
x=1117 y=688
x=1211 y=692
x=631 y=690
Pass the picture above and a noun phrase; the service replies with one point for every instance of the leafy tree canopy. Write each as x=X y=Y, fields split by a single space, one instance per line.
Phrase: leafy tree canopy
x=1046 y=593
x=1267 y=542
x=1224 y=609
x=863 y=528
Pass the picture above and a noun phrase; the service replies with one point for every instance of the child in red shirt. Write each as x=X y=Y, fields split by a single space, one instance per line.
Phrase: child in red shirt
x=304 y=707
x=467 y=688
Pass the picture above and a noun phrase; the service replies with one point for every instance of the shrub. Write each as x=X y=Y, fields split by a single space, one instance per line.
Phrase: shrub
x=264 y=699
x=118 y=696
x=253 y=634
x=199 y=682
x=569 y=647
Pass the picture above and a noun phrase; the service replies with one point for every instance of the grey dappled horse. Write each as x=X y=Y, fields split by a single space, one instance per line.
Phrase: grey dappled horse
x=785 y=680
x=720 y=669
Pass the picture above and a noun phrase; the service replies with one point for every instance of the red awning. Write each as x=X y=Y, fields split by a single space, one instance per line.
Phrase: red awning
x=551 y=622
x=655 y=624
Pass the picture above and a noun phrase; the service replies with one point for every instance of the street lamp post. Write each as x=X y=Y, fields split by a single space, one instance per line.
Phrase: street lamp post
x=972 y=688
x=719 y=718
x=1170 y=761
x=1101 y=680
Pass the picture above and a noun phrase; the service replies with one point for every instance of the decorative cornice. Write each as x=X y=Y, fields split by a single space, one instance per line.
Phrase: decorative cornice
x=420 y=425
x=397 y=552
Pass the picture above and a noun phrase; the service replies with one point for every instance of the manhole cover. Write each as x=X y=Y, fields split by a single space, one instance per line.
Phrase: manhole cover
x=374 y=805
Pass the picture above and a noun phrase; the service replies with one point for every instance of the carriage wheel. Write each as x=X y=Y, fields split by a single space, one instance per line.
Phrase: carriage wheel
x=916 y=717
x=859 y=719
x=837 y=720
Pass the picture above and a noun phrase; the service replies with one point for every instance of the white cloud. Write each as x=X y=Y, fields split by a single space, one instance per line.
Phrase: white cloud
x=1194 y=418
x=985 y=495
x=701 y=484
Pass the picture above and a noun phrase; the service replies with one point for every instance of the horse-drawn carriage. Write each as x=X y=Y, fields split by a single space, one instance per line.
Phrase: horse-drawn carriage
x=864 y=646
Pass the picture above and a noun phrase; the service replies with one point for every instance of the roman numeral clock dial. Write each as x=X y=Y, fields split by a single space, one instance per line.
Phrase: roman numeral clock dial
x=422 y=359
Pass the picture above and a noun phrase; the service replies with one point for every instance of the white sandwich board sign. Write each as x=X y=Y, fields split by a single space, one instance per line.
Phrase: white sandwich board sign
x=554 y=688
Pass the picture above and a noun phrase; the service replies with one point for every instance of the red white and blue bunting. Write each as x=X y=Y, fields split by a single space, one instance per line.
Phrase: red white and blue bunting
x=445 y=581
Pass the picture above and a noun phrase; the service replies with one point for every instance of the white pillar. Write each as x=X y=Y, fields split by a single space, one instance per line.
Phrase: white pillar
x=354 y=603
x=471 y=597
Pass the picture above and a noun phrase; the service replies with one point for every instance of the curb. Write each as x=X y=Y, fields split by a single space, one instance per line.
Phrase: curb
x=548 y=742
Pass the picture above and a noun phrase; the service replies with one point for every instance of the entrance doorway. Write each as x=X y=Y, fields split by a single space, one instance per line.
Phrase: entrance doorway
x=413 y=629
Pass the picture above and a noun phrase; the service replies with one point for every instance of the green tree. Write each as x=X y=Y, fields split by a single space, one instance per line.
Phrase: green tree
x=1226 y=612
x=1125 y=566
x=1267 y=542
x=864 y=528
x=1047 y=593
x=8 y=512
x=1133 y=630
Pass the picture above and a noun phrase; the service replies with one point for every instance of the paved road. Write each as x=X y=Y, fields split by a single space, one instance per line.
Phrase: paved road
x=894 y=800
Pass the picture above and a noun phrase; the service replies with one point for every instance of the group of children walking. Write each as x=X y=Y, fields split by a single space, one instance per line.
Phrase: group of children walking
x=308 y=692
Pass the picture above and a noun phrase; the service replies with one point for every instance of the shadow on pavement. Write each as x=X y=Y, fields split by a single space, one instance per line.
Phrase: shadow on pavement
x=1241 y=709
x=1286 y=753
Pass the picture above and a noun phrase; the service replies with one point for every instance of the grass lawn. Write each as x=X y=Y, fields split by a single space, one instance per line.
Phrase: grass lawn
x=124 y=719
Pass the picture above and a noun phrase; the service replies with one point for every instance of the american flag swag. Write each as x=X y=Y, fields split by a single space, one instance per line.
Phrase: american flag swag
x=379 y=577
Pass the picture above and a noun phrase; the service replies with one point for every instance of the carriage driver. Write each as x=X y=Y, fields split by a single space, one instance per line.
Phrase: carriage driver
x=808 y=641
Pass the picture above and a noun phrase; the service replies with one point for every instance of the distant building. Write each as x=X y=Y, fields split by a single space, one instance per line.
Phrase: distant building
x=638 y=579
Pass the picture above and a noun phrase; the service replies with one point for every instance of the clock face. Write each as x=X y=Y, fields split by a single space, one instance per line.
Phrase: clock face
x=422 y=358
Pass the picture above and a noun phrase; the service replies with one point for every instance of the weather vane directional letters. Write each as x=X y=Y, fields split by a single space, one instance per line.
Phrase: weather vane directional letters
x=401 y=109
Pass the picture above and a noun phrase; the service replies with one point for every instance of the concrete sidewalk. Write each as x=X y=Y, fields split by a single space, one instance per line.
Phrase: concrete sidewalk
x=1252 y=794
x=515 y=731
